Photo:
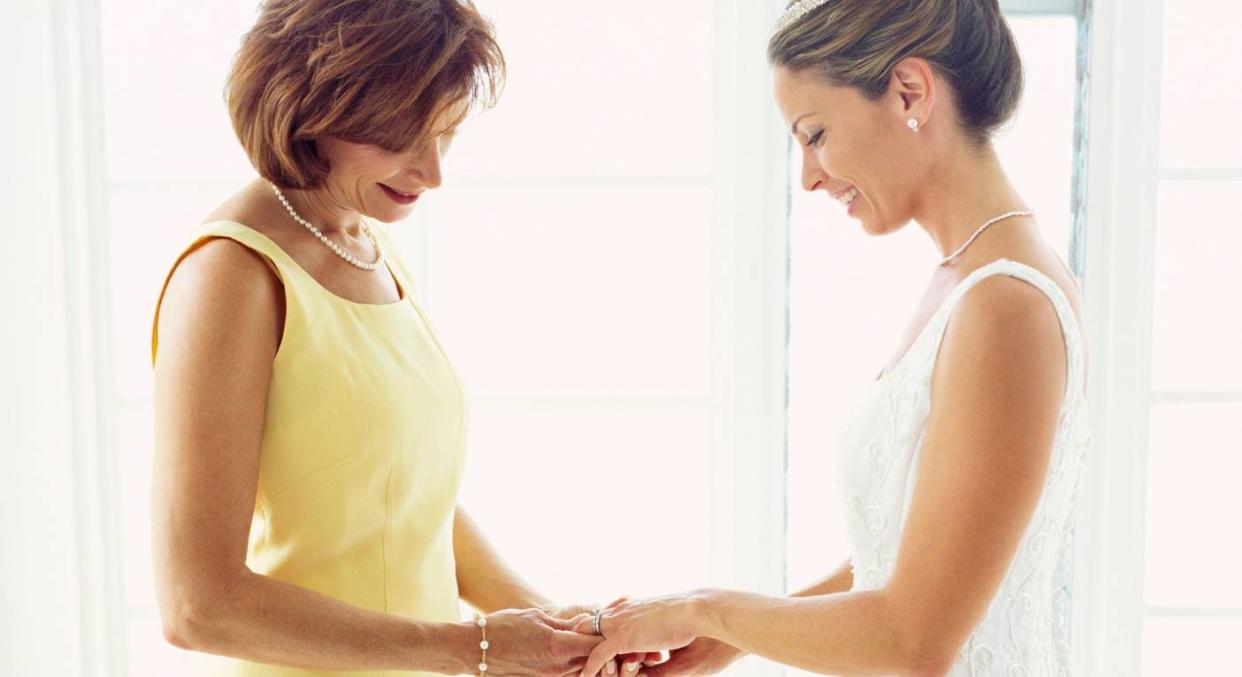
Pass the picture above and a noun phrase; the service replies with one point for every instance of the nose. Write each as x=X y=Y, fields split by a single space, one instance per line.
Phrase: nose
x=813 y=175
x=425 y=164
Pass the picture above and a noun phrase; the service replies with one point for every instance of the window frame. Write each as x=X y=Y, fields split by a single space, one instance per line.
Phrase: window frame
x=1040 y=7
x=751 y=312
x=1122 y=175
x=74 y=44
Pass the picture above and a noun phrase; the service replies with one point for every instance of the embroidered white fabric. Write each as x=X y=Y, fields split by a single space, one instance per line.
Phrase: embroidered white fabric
x=1025 y=632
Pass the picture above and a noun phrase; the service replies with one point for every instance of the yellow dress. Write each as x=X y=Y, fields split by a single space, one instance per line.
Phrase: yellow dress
x=362 y=454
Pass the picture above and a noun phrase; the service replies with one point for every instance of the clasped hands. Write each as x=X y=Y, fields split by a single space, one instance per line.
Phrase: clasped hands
x=633 y=638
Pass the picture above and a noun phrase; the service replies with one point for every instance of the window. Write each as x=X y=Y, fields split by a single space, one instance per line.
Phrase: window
x=1162 y=162
x=1192 y=597
x=568 y=267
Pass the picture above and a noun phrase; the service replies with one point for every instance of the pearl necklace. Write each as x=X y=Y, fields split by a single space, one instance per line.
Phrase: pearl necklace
x=336 y=248
x=989 y=224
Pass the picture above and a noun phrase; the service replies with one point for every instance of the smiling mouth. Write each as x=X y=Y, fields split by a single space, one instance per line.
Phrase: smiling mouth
x=399 y=197
x=846 y=197
x=399 y=193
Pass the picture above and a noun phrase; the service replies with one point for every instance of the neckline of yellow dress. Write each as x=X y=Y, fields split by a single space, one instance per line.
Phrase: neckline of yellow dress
x=402 y=287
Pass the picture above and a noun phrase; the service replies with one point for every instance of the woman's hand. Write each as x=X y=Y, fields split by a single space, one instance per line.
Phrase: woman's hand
x=628 y=664
x=577 y=611
x=703 y=656
x=646 y=626
x=531 y=643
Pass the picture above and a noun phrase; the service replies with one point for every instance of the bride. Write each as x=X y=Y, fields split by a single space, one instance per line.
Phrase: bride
x=960 y=465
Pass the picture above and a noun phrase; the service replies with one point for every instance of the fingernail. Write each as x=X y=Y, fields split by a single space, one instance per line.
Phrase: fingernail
x=631 y=667
x=611 y=667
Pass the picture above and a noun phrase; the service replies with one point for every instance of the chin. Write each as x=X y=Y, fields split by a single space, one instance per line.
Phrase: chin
x=389 y=218
x=864 y=214
x=391 y=213
x=874 y=226
x=870 y=227
x=877 y=225
x=877 y=228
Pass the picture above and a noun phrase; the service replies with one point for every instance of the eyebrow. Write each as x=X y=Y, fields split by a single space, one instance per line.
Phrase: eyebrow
x=793 y=129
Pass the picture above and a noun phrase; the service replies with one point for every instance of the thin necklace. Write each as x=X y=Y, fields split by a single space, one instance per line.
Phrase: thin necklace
x=338 y=249
x=991 y=222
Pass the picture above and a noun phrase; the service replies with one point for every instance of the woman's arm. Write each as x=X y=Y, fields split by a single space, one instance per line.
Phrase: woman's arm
x=219 y=329
x=996 y=393
x=484 y=580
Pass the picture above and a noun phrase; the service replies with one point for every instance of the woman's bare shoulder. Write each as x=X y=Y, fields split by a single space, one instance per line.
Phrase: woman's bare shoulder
x=251 y=208
x=223 y=286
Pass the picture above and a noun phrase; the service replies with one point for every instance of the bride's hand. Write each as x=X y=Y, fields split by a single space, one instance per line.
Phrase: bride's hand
x=703 y=656
x=646 y=626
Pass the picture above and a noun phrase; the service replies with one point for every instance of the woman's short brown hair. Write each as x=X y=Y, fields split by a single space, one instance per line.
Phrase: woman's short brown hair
x=368 y=71
x=857 y=43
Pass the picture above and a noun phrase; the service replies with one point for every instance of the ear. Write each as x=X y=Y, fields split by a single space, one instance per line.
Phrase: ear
x=914 y=87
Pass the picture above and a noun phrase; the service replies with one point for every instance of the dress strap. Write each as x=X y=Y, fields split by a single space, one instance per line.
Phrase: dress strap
x=281 y=264
x=1075 y=377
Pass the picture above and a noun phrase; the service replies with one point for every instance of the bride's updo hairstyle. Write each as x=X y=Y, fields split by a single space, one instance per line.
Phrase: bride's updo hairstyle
x=856 y=43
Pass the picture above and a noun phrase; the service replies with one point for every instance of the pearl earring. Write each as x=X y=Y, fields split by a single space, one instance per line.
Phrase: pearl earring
x=913 y=124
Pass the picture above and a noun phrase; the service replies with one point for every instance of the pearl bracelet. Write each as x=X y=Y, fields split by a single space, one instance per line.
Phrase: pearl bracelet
x=483 y=643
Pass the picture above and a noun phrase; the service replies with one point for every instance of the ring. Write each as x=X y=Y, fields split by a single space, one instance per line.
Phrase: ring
x=595 y=619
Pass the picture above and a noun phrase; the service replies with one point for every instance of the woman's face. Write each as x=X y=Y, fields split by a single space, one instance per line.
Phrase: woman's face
x=383 y=184
x=859 y=151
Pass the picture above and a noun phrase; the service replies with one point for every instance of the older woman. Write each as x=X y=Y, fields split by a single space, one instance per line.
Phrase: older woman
x=310 y=429
x=959 y=465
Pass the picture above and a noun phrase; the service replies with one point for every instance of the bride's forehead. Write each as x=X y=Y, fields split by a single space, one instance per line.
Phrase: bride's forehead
x=794 y=92
x=800 y=94
x=799 y=85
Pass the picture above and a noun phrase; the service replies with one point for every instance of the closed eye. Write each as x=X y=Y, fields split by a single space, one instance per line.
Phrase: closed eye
x=814 y=140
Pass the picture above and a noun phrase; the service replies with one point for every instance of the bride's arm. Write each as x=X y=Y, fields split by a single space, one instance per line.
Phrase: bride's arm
x=996 y=393
x=840 y=580
x=707 y=656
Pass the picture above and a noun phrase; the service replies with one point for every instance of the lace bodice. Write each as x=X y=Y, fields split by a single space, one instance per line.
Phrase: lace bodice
x=1025 y=630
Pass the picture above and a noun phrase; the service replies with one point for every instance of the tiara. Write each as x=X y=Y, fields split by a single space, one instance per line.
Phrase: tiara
x=796 y=11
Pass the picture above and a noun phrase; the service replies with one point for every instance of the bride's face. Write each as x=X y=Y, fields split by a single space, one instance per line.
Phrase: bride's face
x=857 y=150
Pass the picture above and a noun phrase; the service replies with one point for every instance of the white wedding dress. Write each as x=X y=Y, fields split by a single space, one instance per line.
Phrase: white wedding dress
x=1025 y=630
